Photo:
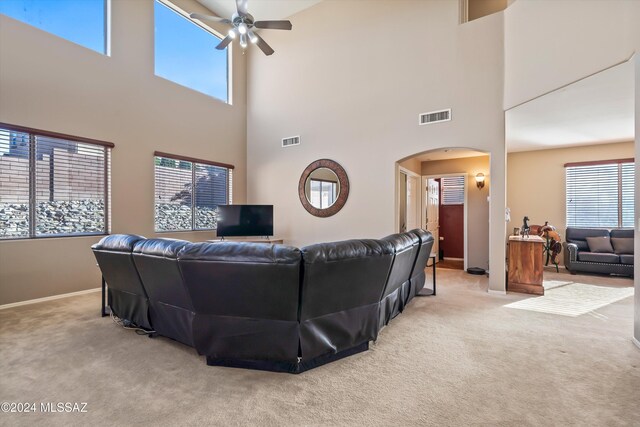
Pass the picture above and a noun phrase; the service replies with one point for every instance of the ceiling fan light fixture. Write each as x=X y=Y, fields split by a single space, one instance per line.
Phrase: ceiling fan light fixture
x=232 y=33
x=242 y=28
x=243 y=40
x=252 y=37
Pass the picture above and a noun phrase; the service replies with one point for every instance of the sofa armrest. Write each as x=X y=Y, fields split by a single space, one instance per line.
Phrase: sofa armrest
x=570 y=253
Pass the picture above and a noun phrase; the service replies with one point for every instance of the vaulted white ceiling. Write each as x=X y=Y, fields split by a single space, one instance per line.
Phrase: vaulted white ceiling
x=595 y=110
x=260 y=9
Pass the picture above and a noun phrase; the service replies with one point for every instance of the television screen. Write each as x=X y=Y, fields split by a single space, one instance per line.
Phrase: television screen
x=245 y=220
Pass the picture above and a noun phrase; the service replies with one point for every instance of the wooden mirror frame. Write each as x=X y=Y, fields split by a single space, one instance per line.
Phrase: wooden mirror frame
x=344 y=188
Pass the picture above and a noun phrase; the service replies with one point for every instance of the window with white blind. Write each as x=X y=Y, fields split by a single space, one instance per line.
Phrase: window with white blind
x=188 y=192
x=52 y=184
x=452 y=188
x=600 y=194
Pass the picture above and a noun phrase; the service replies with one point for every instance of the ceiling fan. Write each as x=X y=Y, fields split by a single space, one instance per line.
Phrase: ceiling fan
x=242 y=24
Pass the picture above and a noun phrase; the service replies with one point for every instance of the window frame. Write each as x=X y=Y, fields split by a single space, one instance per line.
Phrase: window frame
x=171 y=6
x=620 y=192
x=194 y=161
x=32 y=133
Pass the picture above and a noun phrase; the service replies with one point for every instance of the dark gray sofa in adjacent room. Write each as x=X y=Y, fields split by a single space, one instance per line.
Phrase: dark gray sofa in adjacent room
x=597 y=250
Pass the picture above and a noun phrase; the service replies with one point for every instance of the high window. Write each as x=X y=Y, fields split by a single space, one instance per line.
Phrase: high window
x=188 y=192
x=81 y=21
x=600 y=194
x=185 y=53
x=52 y=184
x=452 y=188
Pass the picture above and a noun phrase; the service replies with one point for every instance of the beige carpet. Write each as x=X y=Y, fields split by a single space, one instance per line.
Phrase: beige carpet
x=460 y=358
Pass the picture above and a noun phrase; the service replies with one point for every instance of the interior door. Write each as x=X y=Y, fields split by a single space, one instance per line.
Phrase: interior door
x=433 y=204
x=413 y=203
x=402 y=217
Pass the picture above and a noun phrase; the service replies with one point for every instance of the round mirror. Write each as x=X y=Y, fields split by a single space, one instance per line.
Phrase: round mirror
x=323 y=188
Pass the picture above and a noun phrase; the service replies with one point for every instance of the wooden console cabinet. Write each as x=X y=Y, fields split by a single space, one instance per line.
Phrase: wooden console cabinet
x=526 y=265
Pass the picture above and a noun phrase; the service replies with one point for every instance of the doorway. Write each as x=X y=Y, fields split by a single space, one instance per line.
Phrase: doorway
x=410 y=201
x=445 y=217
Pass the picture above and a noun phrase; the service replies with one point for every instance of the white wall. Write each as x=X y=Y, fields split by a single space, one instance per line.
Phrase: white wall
x=353 y=91
x=52 y=84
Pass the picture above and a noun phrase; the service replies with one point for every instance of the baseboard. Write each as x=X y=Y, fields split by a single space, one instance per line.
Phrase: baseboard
x=453 y=259
x=635 y=341
x=493 y=292
x=45 y=299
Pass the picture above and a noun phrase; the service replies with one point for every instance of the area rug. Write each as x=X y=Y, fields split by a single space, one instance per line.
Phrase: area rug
x=572 y=299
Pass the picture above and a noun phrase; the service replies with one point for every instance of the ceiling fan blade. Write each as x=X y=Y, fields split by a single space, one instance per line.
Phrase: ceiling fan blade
x=209 y=18
x=224 y=43
x=273 y=25
x=241 y=5
x=264 y=46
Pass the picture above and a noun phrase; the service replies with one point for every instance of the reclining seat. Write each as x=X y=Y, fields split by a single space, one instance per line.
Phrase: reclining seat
x=406 y=247
x=341 y=289
x=417 y=274
x=170 y=308
x=246 y=298
x=127 y=296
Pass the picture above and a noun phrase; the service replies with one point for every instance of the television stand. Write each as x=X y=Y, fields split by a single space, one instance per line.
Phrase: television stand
x=265 y=239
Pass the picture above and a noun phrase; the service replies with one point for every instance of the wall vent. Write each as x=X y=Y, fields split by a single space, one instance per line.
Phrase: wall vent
x=434 y=117
x=290 y=141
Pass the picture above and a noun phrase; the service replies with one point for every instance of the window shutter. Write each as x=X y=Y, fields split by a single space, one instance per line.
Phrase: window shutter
x=600 y=195
x=52 y=184
x=173 y=195
x=14 y=184
x=452 y=190
x=627 y=172
x=211 y=191
x=188 y=192
x=69 y=187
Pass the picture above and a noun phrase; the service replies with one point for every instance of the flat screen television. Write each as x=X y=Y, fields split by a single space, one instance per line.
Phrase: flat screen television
x=245 y=220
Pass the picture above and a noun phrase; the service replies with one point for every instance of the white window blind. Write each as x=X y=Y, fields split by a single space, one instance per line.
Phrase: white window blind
x=52 y=184
x=452 y=188
x=600 y=195
x=177 y=206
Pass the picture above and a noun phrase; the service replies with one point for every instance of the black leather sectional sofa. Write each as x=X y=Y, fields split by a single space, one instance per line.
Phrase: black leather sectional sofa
x=263 y=306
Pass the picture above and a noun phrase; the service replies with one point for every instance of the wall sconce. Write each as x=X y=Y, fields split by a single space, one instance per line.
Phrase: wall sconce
x=480 y=181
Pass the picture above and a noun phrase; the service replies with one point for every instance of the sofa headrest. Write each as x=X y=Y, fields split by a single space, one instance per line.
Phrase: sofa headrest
x=402 y=241
x=622 y=233
x=424 y=235
x=240 y=252
x=167 y=248
x=118 y=243
x=346 y=249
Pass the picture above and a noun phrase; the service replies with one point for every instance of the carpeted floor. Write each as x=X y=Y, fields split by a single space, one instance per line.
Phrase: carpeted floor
x=460 y=358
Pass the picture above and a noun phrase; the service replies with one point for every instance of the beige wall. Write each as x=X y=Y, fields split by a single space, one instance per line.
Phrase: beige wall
x=477 y=203
x=536 y=181
x=52 y=84
x=355 y=97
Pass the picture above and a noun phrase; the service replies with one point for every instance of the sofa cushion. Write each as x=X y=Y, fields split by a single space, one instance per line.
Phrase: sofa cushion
x=598 y=257
x=622 y=245
x=622 y=232
x=578 y=236
x=600 y=244
x=626 y=259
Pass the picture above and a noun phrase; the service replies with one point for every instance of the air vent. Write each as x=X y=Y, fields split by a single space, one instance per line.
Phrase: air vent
x=291 y=141
x=434 y=117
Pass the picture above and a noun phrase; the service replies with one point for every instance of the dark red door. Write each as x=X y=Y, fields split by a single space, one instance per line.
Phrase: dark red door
x=452 y=230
